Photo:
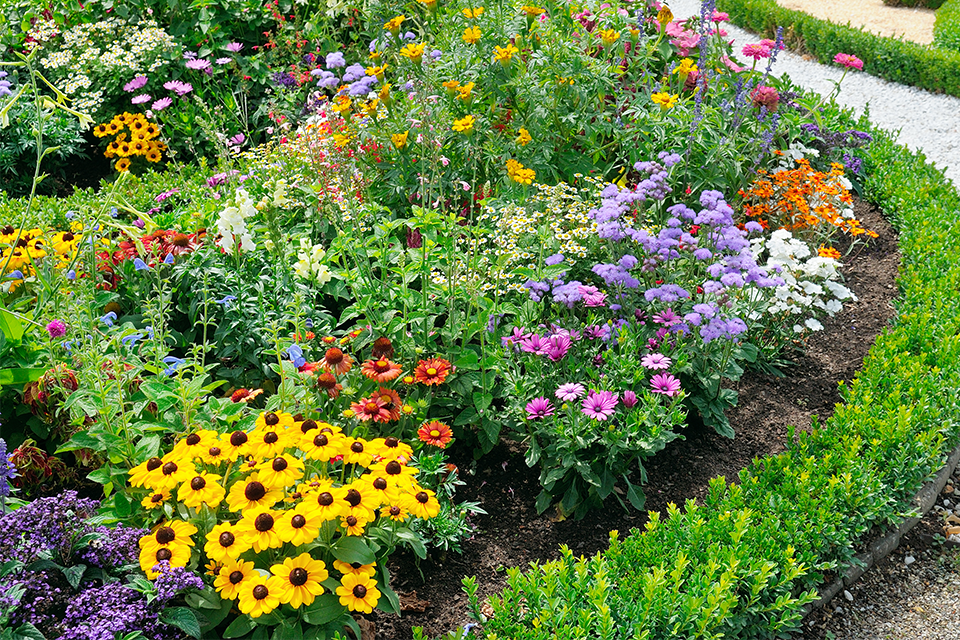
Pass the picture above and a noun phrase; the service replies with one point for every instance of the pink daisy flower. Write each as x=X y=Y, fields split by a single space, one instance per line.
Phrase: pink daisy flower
x=137 y=83
x=666 y=384
x=539 y=408
x=655 y=361
x=599 y=405
x=140 y=99
x=848 y=61
x=570 y=391
x=755 y=51
x=629 y=399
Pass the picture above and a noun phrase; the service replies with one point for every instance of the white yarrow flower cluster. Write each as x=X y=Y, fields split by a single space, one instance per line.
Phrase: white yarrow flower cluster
x=811 y=282
x=309 y=265
x=232 y=224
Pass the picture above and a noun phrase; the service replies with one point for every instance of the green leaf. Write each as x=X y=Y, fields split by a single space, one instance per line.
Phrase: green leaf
x=391 y=602
x=10 y=326
x=80 y=440
x=182 y=618
x=20 y=376
x=352 y=549
x=123 y=505
x=325 y=608
x=74 y=574
x=239 y=627
x=28 y=632
x=482 y=400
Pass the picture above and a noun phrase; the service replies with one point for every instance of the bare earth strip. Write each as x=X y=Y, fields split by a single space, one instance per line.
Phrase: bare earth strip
x=914 y=24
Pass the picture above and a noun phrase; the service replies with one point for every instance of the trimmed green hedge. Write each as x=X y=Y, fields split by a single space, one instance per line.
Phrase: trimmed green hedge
x=946 y=27
x=929 y=4
x=930 y=68
x=744 y=563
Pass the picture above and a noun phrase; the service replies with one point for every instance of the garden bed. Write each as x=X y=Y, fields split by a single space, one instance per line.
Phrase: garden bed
x=513 y=534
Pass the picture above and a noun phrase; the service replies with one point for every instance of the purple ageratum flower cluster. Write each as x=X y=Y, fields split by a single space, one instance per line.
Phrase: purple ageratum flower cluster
x=113 y=548
x=362 y=87
x=114 y=609
x=618 y=274
x=335 y=60
x=46 y=524
x=354 y=72
x=326 y=79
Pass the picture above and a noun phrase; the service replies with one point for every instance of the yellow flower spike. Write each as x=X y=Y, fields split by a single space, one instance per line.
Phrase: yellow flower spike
x=233 y=577
x=300 y=578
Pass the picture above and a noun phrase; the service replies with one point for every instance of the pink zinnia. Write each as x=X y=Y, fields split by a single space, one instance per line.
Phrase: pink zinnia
x=599 y=405
x=570 y=391
x=539 y=408
x=666 y=384
x=719 y=16
x=655 y=361
x=848 y=61
x=730 y=64
x=756 y=51
x=764 y=96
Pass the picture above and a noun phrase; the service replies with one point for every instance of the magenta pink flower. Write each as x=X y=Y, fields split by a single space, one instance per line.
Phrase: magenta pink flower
x=629 y=399
x=719 y=16
x=599 y=405
x=666 y=384
x=764 y=96
x=56 y=328
x=570 y=391
x=162 y=104
x=655 y=361
x=848 y=61
x=730 y=64
x=755 y=51
x=539 y=408
x=137 y=83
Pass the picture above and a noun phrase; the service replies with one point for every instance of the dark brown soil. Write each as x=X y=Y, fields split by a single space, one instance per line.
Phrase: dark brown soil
x=513 y=535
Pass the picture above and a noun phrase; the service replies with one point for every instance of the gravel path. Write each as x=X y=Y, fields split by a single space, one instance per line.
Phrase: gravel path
x=926 y=121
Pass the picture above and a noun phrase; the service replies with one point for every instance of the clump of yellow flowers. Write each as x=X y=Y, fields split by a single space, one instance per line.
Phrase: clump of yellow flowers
x=142 y=141
x=274 y=513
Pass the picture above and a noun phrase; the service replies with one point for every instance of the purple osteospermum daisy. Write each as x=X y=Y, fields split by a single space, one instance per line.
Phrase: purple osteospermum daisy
x=666 y=384
x=223 y=61
x=137 y=83
x=161 y=104
x=56 y=328
x=655 y=361
x=667 y=317
x=539 y=408
x=140 y=99
x=234 y=47
x=629 y=399
x=570 y=391
x=178 y=87
x=198 y=64
x=599 y=405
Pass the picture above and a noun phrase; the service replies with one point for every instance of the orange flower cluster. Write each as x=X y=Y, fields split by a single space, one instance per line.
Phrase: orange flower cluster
x=802 y=199
x=142 y=142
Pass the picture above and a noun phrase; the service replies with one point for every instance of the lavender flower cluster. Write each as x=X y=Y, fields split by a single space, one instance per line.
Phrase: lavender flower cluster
x=45 y=525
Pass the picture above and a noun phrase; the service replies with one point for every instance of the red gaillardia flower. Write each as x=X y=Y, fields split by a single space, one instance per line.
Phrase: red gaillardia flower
x=432 y=371
x=435 y=433
x=381 y=369
x=337 y=361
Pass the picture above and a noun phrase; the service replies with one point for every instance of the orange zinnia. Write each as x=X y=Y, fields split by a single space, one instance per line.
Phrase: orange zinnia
x=435 y=433
x=381 y=370
x=432 y=371
x=337 y=361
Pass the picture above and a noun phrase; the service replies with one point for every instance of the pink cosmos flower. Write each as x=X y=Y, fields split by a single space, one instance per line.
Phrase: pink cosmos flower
x=755 y=51
x=539 y=408
x=849 y=61
x=599 y=405
x=570 y=391
x=138 y=82
x=666 y=384
x=655 y=361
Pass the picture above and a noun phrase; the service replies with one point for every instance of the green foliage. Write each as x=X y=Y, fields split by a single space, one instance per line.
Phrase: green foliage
x=744 y=563
x=929 y=4
x=900 y=61
x=946 y=27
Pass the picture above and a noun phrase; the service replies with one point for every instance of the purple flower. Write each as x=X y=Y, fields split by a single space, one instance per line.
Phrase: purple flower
x=534 y=344
x=666 y=384
x=557 y=347
x=199 y=64
x=56 y=328
x=629 y=399
x=539 y=408
x=655 y=361
x=172 y=581
x=592 y=297
x=570 y=391
x=234 y=47
x=140 y=99
x=568 y=294
x=7 y=470
x=354 y=72
x=161 y=104
x=599 y=405
x=556 y=258
x=666 y=317
x=335 y=60
x=753 y=227
x=514 y=338
x=223 y=61
x=178 y=87
x=138 y=82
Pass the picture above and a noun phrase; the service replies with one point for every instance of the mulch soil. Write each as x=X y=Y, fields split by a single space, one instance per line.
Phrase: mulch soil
x=514 y=535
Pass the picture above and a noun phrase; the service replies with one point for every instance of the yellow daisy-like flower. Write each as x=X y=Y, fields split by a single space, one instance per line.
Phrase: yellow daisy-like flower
x=665 y=100
x=218 y=453
x=259 y=595
x=524 y=138
x=155 y=500
x=470 y=14
x=169 y=534
x=399 y=140
x=451 y=86
x=322 y=446
x=345 y=568
x=281 y=471
x=519 y=173
x=532 y=11
x=177 y=555
x=236 y=444
x=270 y=442
x=225 y=543
x=465 y=92
x=275 y=421
x=422 y=504
x=173 y=471
x=358 y=593
x=258 y=526
x=232 y=577
x=398 y=473
x=327 y=503
x=413 y=52
x=504 y=55
x=122 y=165
x=685 y=68
x=393 y=25
x=355 y=451
x=146 y=473
x=392 y=448
x=471 y=35
x=380 y=487
x=299 y=525
x=355 y=523
x=464 y=124
x=360 y=499
x=377 y=71
x=396 y=512
x=203 y=488
x=301 y=578
x=252 y=494
x=609 y=36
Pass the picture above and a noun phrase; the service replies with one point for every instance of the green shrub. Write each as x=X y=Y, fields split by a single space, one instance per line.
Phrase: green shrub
x=946 y=28
x=929 y=4
x=929 y=68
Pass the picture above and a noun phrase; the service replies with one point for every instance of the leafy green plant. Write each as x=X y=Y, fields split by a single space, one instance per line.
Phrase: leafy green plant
x=946 y=26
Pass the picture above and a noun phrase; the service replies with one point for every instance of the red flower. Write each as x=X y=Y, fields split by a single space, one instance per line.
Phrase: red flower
x=337 y=361
x=381 y=370
x=435 y=433
x=432 y=371
x=372 y=408
x=326 y=382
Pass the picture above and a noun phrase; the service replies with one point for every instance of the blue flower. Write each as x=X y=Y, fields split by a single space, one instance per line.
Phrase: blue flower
x=225 y=301
x=109 y=318
x=68 y=345
x=71 y=275
x=113 y=212
x=149 y=330
x=15 y=275
x=140 y=265
x=175 y=363
x=7 y=470
x=132 y=339
x=295 y=354
x=168 y=259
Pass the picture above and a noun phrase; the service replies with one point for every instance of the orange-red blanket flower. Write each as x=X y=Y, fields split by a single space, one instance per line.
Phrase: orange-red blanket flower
x=382 y=348
x=337 y=361
x=372 y=408
x=435 y=433
x=381 y=370
x=432 y=371
x=326 y=382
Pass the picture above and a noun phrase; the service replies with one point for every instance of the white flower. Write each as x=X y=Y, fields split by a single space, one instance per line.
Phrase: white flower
x=813 y=324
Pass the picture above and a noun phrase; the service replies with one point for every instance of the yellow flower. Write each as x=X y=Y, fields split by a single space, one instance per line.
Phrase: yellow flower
x=377 y=71
x=225 y=543
x=146 y=473
x=519 y=173
x=471 y=35
x=123 y=164
x=299 y=525
x=270 y=441
x=327 y=502
x=342 y=106
x=685 y=68
x=300 y=578
x=400 y=139
x=232 y=577
x=531 y=10
x=473 y=13
x=429 y=4
x=392 y=448
x=393 y=25
x=323 y=445
x=524 y=138
x=281 y=471
x=464 y=124
x=251 y=494
x=258 y=526
x=665 y=100
x=504 y=55
x=354 y=523
x=465 y=92
x=664 y=16
x=177 y=555
x=155 y=500
x=203 y=488
x=609 y=36
x=367 y=570
x=413 y=52
x=355 y=451
x=260 y=595
x=358 y=593
x=422 y=504
x=384 y=94
x=173 y=472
